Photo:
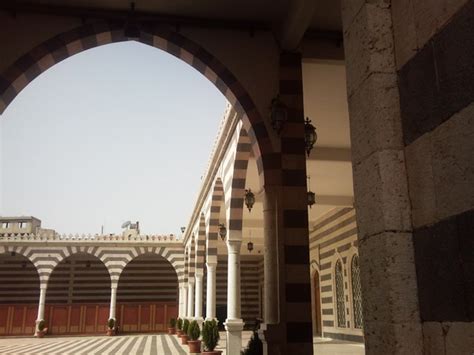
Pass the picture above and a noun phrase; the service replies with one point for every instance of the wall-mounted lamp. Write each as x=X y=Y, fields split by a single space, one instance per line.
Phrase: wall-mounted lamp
x=311 y=195
x=183 y=229
x=249 y=199
x=279 y=114
x=310 y=135
x=222 y=231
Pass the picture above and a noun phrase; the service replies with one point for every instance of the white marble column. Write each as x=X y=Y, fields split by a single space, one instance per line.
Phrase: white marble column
x=233 y=324
x=180 y=302
x=185 y=301
x=41 y=304
x=211 y=291
x=190 y=299
x=198 y=299
x=113 y=301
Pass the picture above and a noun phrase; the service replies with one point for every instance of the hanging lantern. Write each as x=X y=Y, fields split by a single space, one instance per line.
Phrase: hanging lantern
x=249 y=199
x=311 y=198
x=222 y=231
x=183 y=229
x=279 y=114
x=250 y=246
x=310 y=135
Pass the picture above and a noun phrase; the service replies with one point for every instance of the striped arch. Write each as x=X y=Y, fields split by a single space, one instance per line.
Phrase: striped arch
x=201 y=246
x=239 y=176
x=29 y=66
x=26 y=252
x=191 y=260
x=213 y=226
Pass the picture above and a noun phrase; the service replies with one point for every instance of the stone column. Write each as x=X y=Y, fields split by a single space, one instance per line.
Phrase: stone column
x=211 y=291
x=233 y=324
x=387 y=268
x=198 y=299
x=41 y=304
x=113 y=300
x=185 y=301
x=190 y=312
x=181 y=299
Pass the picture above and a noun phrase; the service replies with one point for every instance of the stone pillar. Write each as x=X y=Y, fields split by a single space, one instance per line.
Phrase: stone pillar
x=41 y=304
x=185 y=301
x=388 y=277
x=233 y=324
x=211 y=291
x=198 y=299
x=113 y=300
x=190 y=312
x=181 y=301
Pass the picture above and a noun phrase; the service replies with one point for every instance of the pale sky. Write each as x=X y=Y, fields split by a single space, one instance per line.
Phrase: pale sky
x=119 y=132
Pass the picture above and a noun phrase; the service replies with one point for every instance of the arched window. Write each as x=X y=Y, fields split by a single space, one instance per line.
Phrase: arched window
x=341 y=308
x=356 y=292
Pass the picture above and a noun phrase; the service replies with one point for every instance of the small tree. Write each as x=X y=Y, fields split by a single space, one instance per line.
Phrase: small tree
x=193 y=331
x=172 y=322
x=185 y=326
x=254 y=346
x=179 y=324
x=111 y=323
x=41 y=325
x=210 y=334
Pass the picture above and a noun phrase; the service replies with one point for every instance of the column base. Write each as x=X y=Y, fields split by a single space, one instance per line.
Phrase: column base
x=199 y=321
x=234 y=329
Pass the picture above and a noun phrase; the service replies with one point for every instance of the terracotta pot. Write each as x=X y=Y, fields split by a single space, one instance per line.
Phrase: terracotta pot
x=194 y=346
x=40 y=334
x=215 y=352
x=180 y=333
x=171 y=330
x=184 y=339
x=110 y=332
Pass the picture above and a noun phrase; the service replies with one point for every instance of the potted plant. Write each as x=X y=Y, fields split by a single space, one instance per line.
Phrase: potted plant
x=210 y=337
x=184 y=337
x=111 y=327
x=193 y=333
x=254 y=346
x=179 y=325
x=42 y=330
x=172 y=327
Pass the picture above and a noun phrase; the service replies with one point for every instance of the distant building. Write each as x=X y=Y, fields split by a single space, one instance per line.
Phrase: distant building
x=22 y=225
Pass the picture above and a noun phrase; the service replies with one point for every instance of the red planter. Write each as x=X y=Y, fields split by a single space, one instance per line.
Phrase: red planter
x=184 y=339
x=41 y=334
x=180 y=333
x=171 y=331
x=110 y=332
x=194 y=346
x=215 y=352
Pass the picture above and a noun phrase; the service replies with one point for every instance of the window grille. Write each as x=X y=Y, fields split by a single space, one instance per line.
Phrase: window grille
x=356 y=292
x=341 y=309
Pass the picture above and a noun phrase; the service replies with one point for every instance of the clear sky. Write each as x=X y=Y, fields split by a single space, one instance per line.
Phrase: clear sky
x=119 y=132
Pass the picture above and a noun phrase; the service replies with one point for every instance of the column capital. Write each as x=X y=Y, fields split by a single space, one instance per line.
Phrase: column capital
x=233 y=246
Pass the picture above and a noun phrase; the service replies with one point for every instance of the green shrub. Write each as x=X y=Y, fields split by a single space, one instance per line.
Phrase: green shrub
x=172 y=322
x=179 y=324
x=111 y=323
x=255 y=346
x=210 y=334
x=185 y=326
x=193 y=330
x=41 y=325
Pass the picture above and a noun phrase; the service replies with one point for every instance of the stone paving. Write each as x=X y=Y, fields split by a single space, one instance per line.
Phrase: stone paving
x=156 y=344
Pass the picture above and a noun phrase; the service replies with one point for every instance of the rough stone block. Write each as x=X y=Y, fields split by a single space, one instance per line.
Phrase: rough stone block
x=368 y=44
x=388 y=278
x=421 y=181
x=375 y=116
x=459 y=338
x=404 y=31
x=393 y=339
x=453 y=164
x=426 y=13
x=381 y=192
x=433 y=339
x=349 y=10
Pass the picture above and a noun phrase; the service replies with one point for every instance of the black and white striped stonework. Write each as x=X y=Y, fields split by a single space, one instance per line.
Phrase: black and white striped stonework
x=126 y=345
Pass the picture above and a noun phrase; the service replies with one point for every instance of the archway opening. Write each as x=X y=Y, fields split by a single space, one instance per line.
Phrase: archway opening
x=19 y=293
x=147 y=294
x=78 y=296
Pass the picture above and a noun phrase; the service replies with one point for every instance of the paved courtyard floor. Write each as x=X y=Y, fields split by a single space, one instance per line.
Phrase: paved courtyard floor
x=159 y=344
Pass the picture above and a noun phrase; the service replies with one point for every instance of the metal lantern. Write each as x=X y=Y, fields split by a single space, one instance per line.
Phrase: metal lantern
x=249 y=199
x=279 y=114
x=310 y=135
x=222 y=231
x=250 y=246
x=183 y=229
x=311 y=198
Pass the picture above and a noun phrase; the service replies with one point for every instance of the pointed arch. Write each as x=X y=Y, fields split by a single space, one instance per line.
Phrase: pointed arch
x=15 y=78
x=213 y=225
